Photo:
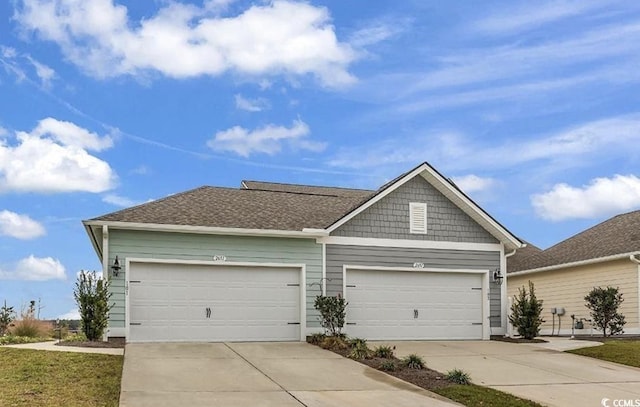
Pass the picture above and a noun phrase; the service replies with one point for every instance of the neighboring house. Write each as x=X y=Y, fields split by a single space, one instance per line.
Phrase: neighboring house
x=415 y=259
x=607 y=254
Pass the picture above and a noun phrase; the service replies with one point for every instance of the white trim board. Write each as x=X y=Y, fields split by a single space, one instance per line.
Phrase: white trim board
x=301 y=267
x=409 y=244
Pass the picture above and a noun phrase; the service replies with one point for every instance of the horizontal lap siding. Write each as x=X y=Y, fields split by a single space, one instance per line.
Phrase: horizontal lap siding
x=567 y=288
x=339 y=255
x=157 y=245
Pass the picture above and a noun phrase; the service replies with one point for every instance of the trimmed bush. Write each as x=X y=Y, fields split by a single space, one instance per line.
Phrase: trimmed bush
x=359 y=350
x=383 y=351
x=413 y=361
x=458 y=376
x=332 y=313
x=334 y=343
x=388 y=366
x=316 y=339
x=604 y=304
x=525 y=313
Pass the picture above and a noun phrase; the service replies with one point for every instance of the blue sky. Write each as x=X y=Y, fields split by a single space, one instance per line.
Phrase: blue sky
x=532 y=108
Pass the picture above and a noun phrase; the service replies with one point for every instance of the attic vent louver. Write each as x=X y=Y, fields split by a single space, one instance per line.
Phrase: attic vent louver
x=418 y=217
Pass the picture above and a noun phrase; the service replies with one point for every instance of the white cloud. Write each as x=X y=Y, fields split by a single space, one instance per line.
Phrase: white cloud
x=377 y=31
x=35 y=269
x=510 y=20
x=73 y=314
x=602 y=196
x=609 y=137
x=183 y=41
x=19 y=226
x=54 y=158
x=118 y=200
x=266 y=140
x=473 y=183
x=251 y=105
x=44 y=72
x=70 y=134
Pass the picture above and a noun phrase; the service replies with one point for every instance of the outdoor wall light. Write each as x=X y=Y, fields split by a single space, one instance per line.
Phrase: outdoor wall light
x=498 y=277
x=115 y=269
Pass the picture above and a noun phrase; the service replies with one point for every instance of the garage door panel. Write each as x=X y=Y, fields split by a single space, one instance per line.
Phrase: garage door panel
x=383 y=305
x=170 y=303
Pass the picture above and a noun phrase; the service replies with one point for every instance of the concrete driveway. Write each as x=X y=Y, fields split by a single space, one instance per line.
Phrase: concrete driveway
x=258 y=375
x=532 y=371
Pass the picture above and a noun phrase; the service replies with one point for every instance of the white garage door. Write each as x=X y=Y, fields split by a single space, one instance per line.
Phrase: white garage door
x=413 y=305
x=177 y=302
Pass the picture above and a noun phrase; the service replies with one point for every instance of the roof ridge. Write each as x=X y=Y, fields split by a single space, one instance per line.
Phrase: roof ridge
x=306 y=185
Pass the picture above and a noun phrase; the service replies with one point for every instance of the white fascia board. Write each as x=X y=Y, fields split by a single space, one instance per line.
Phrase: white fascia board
x=207 y=229
x=622 y=256
x=93 y=239
x=409 y=244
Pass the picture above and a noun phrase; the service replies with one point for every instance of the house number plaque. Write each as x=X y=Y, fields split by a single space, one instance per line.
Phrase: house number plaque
x=219 y=257
x=418 y=265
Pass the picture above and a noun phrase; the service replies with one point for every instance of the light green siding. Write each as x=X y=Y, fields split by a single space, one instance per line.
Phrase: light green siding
x=159 y=245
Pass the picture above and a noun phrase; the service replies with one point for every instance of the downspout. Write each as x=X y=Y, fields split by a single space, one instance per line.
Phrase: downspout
x=636 y=260
x=509 y=332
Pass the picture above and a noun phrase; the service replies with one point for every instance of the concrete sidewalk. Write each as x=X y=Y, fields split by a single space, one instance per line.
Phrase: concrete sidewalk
x=537 y=372
x=290 y=374
x=51 y=346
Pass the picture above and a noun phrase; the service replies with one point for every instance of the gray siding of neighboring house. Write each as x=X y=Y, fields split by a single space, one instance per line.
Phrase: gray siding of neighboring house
x=389 y=217
x=180 y=246
x=339 y=255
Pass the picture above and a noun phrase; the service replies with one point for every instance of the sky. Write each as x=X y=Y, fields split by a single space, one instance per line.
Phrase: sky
x=532 y=108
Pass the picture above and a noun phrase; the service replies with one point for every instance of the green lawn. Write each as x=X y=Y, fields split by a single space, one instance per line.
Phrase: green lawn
x=39 y=378
x=473 y=395
x=626 y=352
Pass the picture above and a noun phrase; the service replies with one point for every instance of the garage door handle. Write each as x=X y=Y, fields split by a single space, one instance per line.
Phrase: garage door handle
x=207 y=312
x=135 y=323
x=476 y=323
x=415 y=313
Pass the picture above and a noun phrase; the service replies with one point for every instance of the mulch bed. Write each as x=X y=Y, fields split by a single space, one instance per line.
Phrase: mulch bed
x=426 y=378
x=517 y=340
x=90 y=344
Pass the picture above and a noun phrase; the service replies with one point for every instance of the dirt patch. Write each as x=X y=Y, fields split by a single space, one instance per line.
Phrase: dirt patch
x=90 y=344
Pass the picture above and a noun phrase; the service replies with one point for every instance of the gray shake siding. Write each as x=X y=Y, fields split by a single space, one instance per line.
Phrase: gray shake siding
x=339 y=255
x=389 y=217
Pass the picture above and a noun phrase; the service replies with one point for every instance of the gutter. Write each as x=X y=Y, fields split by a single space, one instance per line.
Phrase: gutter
x=621 y=256
x=211 y=230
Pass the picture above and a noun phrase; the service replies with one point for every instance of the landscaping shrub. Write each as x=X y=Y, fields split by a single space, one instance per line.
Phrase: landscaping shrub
x=7 y=315
x=316 y=339
x=75 y=337
x=332 y=313
x=413 y=361
x=30 y=327
x=388 y=366
x=525 y=313
x=458 y=376
x=355 y=342
x=604 y=304
x=383 y=351
x=334 y=343
x=17 y=340
x=92 y=296
x=359 y=350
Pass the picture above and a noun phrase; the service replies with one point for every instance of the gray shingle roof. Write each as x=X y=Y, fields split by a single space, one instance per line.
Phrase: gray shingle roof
x=241 y=208
x=307 y=189
x=618 y=235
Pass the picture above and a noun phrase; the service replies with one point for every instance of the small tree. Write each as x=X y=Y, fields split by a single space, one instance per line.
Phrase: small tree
x=525 y=313
x=92 y=296
x=7 y=315
x=604 y=303
x=332 y=313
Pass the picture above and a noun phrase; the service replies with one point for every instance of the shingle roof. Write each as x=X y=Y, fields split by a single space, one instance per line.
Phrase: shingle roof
x=307 y=189
x=618 y=235
x=241 y=208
